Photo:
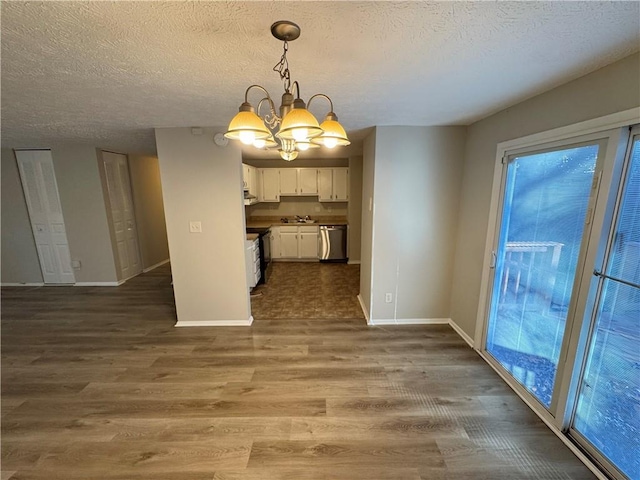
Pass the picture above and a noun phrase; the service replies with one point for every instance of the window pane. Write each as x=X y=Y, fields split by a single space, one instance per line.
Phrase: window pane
x=544 y=208
x=608 y=410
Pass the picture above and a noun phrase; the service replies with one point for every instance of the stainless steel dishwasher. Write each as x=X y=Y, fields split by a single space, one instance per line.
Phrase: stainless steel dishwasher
x=332 y=244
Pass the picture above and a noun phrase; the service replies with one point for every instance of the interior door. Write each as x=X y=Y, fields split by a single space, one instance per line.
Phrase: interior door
x=546 y=199
x=606 y=419
x=45 y=213
x=122 y=213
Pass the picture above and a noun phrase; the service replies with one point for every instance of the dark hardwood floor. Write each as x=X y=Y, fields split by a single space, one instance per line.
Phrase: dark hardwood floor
x=98 y=384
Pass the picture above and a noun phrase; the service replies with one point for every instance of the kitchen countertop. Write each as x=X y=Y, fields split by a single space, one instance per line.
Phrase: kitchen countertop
x=266 y=222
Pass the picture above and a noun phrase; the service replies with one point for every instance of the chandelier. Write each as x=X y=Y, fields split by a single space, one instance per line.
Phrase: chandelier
x=293 y=128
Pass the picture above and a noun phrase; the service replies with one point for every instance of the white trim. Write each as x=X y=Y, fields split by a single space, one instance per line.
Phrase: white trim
x=11 y=284
x=98 y=284
x=365 y=310
x=153 y=267
x=587 y=127
x=215 y=323
x=614 y=120
x=353 y=262
x=410 y=321
x=576 y=451
x=461 y=332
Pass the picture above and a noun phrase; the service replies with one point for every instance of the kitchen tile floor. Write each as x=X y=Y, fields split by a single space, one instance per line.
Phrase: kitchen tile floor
x=308 y=290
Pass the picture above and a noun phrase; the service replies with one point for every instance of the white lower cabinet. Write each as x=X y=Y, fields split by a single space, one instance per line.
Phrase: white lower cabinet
x=292 y=242
x=308 y=242
x=288 y=242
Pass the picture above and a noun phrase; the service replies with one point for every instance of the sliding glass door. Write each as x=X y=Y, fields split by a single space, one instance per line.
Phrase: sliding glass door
x=545 y=205
x=606 y=420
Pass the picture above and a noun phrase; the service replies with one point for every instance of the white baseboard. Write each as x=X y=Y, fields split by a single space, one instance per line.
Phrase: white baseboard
x=364 y=308
x=462 y=333
x=410 y=321
x=353 y=262
x=98 y=284
x=153 y=267
x=215 y=323
x=11 y=284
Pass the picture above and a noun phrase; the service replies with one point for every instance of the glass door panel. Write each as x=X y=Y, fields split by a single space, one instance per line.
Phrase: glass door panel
x=607 y=415
x=544 y=206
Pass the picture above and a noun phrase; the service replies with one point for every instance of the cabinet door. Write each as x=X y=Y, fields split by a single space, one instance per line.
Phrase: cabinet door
x=288 y=181
x=270 y=185
x=254 y=184
x=274 y=236
x=308 y=181
x=325 y=184
x=308 y=243
x=340 y=184
x=255 y=188
x=245 y=176
x=288 y=245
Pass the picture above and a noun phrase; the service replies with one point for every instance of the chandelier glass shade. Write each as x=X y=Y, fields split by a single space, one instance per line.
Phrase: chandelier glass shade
x=293 y=128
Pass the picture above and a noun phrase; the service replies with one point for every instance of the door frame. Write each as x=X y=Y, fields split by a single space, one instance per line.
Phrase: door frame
x=574 y=337
x=106 y=195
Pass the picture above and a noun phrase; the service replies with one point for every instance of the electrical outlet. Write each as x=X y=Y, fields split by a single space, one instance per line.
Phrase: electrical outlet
x=76 y=263
x=388 y=297
x=195 y=227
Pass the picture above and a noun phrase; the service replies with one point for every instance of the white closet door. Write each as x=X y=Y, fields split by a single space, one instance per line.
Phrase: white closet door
x=122 y=213
x=45 y=212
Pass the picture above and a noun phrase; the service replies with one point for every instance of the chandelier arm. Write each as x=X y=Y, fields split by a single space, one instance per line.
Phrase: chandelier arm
x=322 y=95
x=297 y=85
x=271 y=119
x=246 y=93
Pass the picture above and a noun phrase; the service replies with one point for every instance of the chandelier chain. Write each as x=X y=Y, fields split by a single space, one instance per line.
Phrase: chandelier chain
x=282 y=68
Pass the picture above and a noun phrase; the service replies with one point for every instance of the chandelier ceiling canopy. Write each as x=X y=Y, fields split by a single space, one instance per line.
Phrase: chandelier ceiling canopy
x=292 y=128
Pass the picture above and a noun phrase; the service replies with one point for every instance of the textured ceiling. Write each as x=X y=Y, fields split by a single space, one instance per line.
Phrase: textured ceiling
x=106 y=73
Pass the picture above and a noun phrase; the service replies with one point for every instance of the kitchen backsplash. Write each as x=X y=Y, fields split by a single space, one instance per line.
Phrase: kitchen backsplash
x=290 y=206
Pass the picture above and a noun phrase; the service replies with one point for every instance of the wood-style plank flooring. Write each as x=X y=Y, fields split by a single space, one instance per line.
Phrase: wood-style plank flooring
x=98 y=384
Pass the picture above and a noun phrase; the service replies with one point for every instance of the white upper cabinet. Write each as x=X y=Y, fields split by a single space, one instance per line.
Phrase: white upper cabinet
x=270 y=182
x=298 y=181
x=333 y=184
x=251 y=183
x=288 y=181
x=246 y=176
x=340 y=184
x=308 y=181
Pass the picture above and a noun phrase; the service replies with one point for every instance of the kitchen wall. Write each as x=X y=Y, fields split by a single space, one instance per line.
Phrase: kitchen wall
x=202 y=182
x=20 y=262
x=611 y=89
x=418 y=175
x=290 y=206
x=146 y=187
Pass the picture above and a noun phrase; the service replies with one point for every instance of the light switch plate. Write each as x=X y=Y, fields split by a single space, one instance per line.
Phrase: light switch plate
x=195 y=227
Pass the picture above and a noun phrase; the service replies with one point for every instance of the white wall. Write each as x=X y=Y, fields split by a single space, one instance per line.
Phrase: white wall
x=366 y=229
x=20 y=262
x=418 y=173
x=203 y=182
x=146 y=189
x=85 y=214
x=355 y=207
x=611 y=89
